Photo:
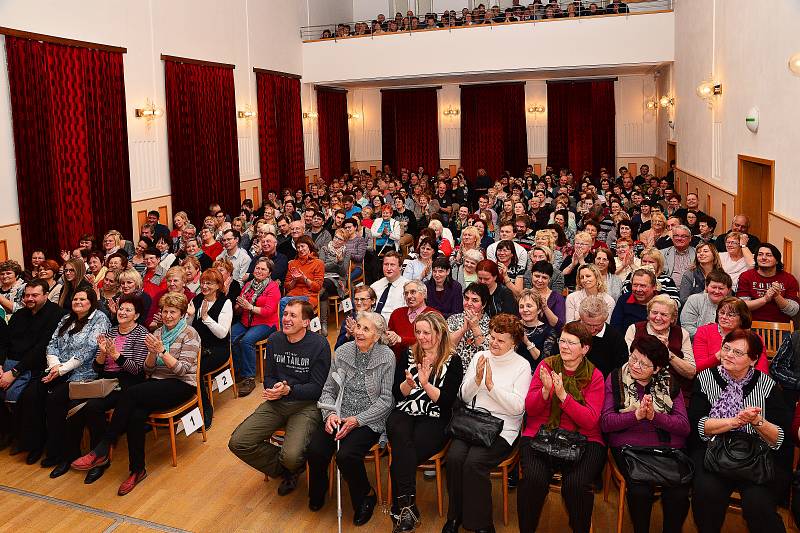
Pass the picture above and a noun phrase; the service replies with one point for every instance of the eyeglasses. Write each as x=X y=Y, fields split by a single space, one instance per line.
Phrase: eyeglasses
x=729 y=314
x=727 y=349
x=362 y=300
x=567 y=342
x=639 y=363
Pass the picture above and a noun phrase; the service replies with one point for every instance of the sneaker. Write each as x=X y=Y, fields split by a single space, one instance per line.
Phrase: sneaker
x=130 y=483
x=246 y=387
x=289 y=483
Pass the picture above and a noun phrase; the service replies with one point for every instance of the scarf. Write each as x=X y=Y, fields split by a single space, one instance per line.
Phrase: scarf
x=573 y=385
x=257 y=287
x=337 y=252
x=168 y=337
x=658 y=388
x=731 y=401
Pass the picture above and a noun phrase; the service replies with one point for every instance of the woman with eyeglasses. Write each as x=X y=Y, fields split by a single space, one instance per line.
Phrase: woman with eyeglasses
x=566 y=392
x=644 y=408
x=732 y=313
x=364 y=299
x=737 y=401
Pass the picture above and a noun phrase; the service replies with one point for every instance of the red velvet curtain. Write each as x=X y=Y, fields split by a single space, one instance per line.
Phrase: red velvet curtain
x=493 y=132
x=410 y=129
x=280 y=132
x=201 y=129
x=581 y=125
x=70 y=143
x=334 y=136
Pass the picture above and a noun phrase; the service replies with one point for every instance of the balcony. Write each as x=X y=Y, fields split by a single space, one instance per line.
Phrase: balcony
x=643 y=37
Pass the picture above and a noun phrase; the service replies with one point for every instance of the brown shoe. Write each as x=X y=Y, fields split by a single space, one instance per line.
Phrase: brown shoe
x=130 y=483
x=246 y=387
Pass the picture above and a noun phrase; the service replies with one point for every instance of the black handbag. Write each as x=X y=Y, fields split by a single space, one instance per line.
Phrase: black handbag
x=564 y=445
x=474 y=425
x=740 y=456
x=666 y=467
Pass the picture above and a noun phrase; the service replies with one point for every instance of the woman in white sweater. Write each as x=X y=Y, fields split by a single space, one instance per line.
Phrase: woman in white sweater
x=498 y=379
x=589 y=282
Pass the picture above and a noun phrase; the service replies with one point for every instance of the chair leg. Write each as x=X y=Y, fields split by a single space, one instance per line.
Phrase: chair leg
x=155 y=432
x=389 y=477
x=172 y=441
x=621 y=505
x=210 y=392
x=202 y=421
x=233 y=376
x=377 y=458
x=336 y=315
x=439 y=494
x=505 y=496
x=606 y=481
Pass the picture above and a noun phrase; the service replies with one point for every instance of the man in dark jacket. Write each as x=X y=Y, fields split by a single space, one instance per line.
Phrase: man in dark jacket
x=29 y=332
x=609 y=350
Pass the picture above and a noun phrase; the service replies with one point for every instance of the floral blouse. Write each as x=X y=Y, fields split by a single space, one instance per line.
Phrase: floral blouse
x=467 y=348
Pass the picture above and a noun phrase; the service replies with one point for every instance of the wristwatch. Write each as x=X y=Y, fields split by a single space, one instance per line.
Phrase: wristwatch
x=759 y=423
x=15 y=372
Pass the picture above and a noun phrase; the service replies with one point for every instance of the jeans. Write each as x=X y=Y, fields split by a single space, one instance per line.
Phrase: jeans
x=244 y=341
x=285 y=301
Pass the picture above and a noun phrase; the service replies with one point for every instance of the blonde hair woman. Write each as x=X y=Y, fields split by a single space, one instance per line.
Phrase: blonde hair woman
x=581 y=255
x=470 y=240
x=658 y=228
x=548 y=238
x=179 y=221
x=590 y=282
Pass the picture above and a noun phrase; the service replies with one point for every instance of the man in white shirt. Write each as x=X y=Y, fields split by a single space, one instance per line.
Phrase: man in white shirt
x=237 y=256
x=389 y=289
x=507 y=234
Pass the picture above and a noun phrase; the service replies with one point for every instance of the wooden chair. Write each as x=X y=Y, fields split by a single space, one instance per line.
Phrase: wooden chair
x=502 y=470
x=358 y=279
x=434 y=463
x=166 y=419
x=334 y=299
x=209 y=377
x=613 y=473
x=772 y=333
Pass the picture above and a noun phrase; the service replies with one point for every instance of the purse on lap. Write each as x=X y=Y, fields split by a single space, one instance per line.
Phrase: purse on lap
x=740 y=456
x=564 y=445
x=666 y=467
x=96 y=388
x=474 y=425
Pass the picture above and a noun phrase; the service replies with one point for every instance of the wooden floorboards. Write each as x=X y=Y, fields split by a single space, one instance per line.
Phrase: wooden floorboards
x=212 y=491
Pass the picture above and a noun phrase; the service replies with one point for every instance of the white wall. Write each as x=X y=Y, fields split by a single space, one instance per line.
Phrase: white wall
x=555 y=44
x=229 y=32
x=635 y=127
x=319 y=12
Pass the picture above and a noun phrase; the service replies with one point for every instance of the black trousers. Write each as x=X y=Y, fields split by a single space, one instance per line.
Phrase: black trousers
x=211 y=360
x=712 y=494
x=576 y=485
x=349 y=459
x=57 y=404
x=414 y=440
x=469 y=487
x=133 y=408
x=29 y=415
x=640 y=496
x=91 y=416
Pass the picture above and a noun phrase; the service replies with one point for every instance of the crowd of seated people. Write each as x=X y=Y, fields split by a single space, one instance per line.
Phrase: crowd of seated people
x=480 y=15
x=599 y=308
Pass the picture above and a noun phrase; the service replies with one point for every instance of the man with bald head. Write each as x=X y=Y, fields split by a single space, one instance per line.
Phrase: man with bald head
x=741 y=224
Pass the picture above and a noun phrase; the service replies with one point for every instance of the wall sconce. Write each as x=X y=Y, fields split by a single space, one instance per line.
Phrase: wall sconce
x=794 y=64
x=666 y=101
x=149 y=111
x=246 y=113
x=651 y=105
x=354 y=115
x=450 y=112
x=310 y=114
x=538 y=108
x=707 y=89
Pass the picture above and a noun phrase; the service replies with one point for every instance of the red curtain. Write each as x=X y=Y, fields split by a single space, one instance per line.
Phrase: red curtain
x=280 y=132
x=334 y=136
x=70 y=143
x=201 y=129
x=581 y=125
x=493 y=133
x=410 y=129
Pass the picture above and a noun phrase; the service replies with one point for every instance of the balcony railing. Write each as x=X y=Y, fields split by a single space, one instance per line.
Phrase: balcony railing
x=451 y=20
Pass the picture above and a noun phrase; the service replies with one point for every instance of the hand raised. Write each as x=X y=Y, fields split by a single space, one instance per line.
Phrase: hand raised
x=410 y=381
x=479 y=369
x=547 y=381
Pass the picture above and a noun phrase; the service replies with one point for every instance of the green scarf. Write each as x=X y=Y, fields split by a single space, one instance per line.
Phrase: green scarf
x=573 y=385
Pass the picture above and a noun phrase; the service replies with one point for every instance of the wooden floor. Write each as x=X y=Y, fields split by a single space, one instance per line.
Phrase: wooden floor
x=211 y=490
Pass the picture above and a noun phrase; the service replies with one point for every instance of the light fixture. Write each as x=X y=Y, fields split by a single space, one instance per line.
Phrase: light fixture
x=651 y=104
x=666 y=101
x=794 y=64
x=708 y=89
x=538 y=108
x=246 y=113
x=450 y=112
x=310 y=114
x=149 y=111
x=354 y=115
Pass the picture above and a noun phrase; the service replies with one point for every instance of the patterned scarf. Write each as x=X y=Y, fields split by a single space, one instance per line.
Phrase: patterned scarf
x=573 y=385
x=336 y=251
x=658 y=388
x=731 y=401
x=257 y=287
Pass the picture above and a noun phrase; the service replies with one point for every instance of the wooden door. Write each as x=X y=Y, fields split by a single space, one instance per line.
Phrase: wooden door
x=755 y=193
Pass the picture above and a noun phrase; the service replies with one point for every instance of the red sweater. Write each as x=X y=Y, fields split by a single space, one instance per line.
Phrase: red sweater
x=400 y=324
x=754 y=285
x=213 y=250
x=584 y=419
x=707 y=342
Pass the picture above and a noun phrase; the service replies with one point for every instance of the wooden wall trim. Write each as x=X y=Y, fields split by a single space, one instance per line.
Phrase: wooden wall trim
x=151 y=199
x=11 y=32
x=709 y=183
x=201 y=62
x=785 y=218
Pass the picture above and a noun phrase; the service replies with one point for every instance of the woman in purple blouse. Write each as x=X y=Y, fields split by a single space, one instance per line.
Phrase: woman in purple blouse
x=444 y=293
x=643 y=408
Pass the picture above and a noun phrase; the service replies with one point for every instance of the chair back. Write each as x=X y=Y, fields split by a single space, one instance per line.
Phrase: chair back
x=772 y=333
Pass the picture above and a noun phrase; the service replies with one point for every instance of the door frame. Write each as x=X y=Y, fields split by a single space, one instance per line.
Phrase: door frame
x=740 y=189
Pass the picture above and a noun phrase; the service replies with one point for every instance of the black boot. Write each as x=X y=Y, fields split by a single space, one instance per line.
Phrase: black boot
x=408 y=518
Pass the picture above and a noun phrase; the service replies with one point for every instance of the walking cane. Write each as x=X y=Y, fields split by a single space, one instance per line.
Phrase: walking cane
x=337 y=408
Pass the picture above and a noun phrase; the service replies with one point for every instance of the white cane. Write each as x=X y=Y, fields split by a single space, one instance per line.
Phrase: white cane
x=337 y=408
x=338 y=485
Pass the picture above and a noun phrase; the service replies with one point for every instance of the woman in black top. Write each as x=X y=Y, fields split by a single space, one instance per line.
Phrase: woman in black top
x=74 y=281
x=501 y=298
x=425 y=386
x=211 y=314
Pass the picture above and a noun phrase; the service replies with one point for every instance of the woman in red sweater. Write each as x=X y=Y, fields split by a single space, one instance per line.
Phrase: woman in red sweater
x=732 y=313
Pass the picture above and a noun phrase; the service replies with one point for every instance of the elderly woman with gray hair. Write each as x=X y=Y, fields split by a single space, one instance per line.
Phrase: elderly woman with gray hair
x=355 y=403
x=465 y=272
